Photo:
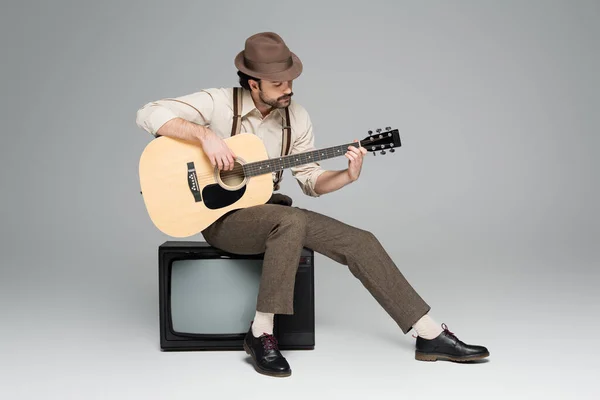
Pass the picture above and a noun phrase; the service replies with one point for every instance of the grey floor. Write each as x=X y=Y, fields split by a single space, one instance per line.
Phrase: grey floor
x=74 y=333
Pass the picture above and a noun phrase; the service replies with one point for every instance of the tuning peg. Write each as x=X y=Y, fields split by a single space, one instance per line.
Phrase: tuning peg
x=370 y=133
x=388 y=128
x=382 y=151
x=392 y=150
x=374 y=153
x=378 y=130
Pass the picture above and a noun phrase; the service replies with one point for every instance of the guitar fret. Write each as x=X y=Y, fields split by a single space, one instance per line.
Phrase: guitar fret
x=292 y=160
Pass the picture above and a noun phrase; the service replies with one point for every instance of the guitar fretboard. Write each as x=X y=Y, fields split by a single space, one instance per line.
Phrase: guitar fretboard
x=293 y=160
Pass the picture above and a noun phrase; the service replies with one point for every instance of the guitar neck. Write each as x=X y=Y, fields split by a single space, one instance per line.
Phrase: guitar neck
x=293 y=160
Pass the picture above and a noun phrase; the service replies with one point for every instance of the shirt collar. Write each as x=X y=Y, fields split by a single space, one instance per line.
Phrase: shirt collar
x=248 y=104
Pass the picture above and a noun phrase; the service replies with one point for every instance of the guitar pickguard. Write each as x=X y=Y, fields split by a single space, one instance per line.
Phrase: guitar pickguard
x=215 y=196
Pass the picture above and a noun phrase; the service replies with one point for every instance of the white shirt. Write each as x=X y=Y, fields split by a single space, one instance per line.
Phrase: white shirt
x=214 y=108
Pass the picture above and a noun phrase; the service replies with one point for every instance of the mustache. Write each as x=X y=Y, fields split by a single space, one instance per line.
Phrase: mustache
x=289 y=96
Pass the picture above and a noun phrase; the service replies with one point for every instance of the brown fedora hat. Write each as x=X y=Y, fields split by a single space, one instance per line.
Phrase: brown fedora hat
x=266 y=56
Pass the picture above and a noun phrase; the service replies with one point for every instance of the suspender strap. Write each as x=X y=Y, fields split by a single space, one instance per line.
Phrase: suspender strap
x=237 y=109
x=286 y=141
x=288 y=133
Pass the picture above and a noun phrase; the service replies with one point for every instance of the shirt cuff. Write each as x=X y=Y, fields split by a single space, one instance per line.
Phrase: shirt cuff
x=158 y=118
x=309 y=186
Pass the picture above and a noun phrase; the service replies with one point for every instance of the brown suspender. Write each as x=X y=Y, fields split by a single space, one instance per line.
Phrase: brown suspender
x=286 y=131
x=237 y=109
x=286 y=138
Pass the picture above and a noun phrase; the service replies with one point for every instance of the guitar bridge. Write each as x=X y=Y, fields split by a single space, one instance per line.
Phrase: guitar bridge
x=192 y=179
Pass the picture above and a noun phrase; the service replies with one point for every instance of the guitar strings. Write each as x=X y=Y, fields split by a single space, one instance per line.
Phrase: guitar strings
x=211 y=179
x=210 y=176
x=256 y=168
x=238 y=172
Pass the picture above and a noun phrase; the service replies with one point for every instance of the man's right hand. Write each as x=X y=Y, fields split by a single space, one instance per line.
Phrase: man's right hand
x=217 y=151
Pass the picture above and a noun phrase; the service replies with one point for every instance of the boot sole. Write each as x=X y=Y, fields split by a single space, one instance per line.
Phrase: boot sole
x=437 y=356
x=262 y=371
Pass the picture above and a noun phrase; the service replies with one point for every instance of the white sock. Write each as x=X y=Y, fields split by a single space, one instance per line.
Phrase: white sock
x=427 y=328
x=263 y=323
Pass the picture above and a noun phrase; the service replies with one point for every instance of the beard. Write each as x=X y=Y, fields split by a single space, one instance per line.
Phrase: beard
x=281 y=102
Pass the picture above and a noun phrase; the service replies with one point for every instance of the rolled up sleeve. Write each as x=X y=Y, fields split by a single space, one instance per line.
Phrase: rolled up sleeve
x=306 y=175
x=197 y=107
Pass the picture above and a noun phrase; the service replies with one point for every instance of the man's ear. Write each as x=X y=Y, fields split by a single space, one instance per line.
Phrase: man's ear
x=253 y=84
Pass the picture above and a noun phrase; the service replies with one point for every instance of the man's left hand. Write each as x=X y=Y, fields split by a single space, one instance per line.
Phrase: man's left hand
x=355 y=160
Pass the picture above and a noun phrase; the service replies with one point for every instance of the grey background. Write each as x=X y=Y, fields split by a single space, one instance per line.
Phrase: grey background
x=489 y=208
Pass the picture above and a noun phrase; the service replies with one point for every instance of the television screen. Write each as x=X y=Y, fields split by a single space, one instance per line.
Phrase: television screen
x=214 y=295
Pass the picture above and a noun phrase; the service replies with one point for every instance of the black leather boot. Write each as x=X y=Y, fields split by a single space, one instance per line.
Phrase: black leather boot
x=265 y=354
x=448 y=347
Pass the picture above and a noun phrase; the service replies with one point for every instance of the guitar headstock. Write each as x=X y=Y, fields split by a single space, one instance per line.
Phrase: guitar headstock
x=381 y=140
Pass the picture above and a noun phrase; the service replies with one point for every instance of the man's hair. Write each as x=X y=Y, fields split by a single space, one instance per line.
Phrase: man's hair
x=244 y=80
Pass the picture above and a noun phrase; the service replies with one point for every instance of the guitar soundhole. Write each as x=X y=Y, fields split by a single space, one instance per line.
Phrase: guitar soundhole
x=233 y=178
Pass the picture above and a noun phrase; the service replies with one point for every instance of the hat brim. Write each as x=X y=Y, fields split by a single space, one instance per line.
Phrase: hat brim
x=289 y=74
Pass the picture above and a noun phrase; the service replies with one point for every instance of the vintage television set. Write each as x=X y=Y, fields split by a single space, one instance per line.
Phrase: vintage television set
x=207 y=299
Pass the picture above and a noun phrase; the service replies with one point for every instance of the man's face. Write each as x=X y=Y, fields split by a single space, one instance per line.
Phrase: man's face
x=276 y=94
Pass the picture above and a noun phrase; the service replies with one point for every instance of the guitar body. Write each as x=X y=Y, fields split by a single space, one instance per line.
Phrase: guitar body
x=184 y=193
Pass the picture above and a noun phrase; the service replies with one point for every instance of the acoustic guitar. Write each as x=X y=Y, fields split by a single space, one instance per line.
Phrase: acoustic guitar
x=184 y=193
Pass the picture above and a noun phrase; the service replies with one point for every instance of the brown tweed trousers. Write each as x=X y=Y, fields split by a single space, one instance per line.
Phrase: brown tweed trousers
x=280 y=232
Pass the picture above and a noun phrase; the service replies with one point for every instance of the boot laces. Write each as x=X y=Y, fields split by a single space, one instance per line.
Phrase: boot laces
x=269 y=341
x=445 y=327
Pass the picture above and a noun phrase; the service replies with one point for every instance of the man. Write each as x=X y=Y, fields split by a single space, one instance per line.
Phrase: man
x=267 y=68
